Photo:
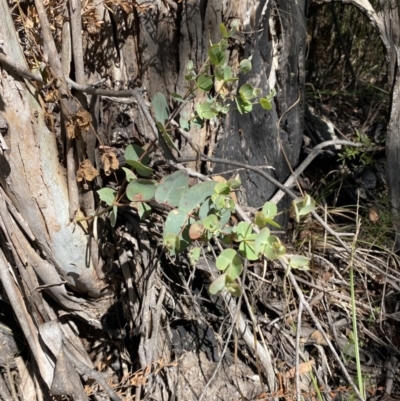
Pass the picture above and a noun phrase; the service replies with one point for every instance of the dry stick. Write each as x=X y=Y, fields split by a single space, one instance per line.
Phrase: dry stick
x=76 y=32
x=320 y=329
x=297 y=361
x=4 y=393
x=293 y=195
x=22 y=71
x=307 y=161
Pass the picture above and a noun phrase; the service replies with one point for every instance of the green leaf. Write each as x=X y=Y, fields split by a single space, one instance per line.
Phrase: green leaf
x=243 y=105
x=262 y=241
x=113 y=215
x=184 y=124
x=260 y=220
x=223 y=30
x=216 y=55
x=219 y=73
x=247 y=247
x=166 y=136
x=233 y=287
x=160 y=106
x=270 y=210
x=178 y=223
x=204 y=110
x=229 y=262
x=196 y=195
x=245 y=66
x=227 y=73
x=140 y=168
x=265 y=103
x=270 y=246
x=134 y=153
x=243 y=230
x=140 y=190
x=235 y=183
x=211 y=223
x=222 y=188
x=205 y=83
x=129 y=174
x=107 y=195
x=299 y=262
x=217 y=285
x=179 y=98
x=143 y=209
x=303 y=206
x=248 y=92
x=171 y=188
x=171 y=242
x=189 y=65
x=207 y=208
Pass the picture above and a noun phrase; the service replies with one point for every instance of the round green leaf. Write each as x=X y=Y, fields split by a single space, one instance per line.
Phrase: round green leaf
x=160 y=106
x=211 y=223
x=247 y=92
x=229 y=262
x=171 y=242
x=265 y=103
x=205 y=111
x=270 y=210
x=299 y=262
x=217 y=285
x=247 y=247
x=260 y=220
x=216 y=55
x=243 y=230
x=140 y=190
x=178 y=223
x=143 y=209
x=171 y=188
x=222 y=188
x=129 y=174
x=205 y=83
x=134 y=152
x=107 y=195
x=195 y=196
x=245 y=66
x=243 y=105
x=261 y=242
x=233 y=287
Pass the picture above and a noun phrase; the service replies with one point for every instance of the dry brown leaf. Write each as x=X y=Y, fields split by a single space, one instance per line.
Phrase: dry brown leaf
x=326 y=276
x=304 y=367
x=373 y=215
x=196 y=231
x=318 y=338
x=70 y=127
x=110 y=162
x=83 y=120
x=86 y=171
